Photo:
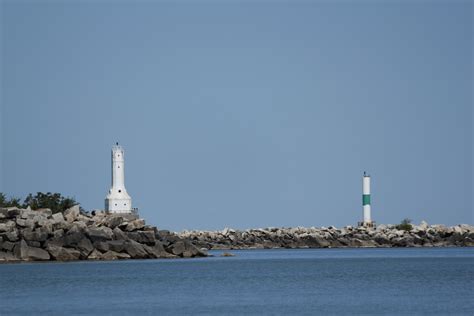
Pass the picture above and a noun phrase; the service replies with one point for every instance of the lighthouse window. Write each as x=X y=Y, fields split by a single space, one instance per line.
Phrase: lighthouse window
x=118 y=166
x=115 y=204
x=125 y=204
x=120 y=191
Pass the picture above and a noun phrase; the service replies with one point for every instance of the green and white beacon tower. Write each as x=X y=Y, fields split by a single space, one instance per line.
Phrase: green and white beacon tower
x=367 y=222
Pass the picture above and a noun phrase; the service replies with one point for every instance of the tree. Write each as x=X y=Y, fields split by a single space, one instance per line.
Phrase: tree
x=5 y=202
x=54 y=201
x=405 y=224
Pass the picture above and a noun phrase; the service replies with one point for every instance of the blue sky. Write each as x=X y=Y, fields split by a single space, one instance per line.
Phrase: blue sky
x=243 y=114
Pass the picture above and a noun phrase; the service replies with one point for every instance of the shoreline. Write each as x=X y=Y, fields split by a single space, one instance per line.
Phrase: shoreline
x=39 y=235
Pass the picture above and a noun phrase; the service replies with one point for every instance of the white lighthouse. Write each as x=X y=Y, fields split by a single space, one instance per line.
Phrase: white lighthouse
x=118 y=200
x=367 y=219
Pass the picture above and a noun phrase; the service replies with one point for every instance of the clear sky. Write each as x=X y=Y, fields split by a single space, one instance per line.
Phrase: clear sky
x=243 y=114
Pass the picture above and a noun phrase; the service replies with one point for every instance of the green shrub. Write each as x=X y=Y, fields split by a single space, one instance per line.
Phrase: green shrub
x=405 y=225
x=54 y=201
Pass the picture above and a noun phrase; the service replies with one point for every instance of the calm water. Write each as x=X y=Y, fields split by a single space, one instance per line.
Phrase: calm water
x=310 y=281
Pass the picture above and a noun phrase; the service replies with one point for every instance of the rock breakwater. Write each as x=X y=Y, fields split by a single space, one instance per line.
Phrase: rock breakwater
x=39 y=235
x=422 y=235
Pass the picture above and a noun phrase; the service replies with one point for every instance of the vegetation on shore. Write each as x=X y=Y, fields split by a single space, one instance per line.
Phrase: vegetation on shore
x=53 y=201
x=405 y=224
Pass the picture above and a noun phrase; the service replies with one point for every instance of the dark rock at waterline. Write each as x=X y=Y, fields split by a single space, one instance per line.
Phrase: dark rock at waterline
x=24 y=252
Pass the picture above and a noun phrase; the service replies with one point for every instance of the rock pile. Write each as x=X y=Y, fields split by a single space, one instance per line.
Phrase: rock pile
x=30 y=235
x=422 y=235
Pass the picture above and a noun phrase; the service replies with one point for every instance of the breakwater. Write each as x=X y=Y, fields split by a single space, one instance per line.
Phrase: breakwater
x=39 y=235
x=422 y=235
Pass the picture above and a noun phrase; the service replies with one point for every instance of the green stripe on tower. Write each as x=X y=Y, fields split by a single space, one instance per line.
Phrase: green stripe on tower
x=366 y=199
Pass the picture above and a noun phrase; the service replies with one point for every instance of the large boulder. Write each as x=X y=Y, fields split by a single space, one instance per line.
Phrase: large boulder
x=11 y=235
x=158 y=251
x=63 y=254
x=85 y=246
x=112 y=255
x=11 y=212
x=71 y=239
x=314 y=241
x=46 y=212
x=27 y=214
x=7 y=226
x=71 y=213
x=112 y=221
x=58 y=221
x=24 y=252
x=177 y=248
x=133 y=225
x=58 y=233
x=184 y=248
x=116 y=245
x=135 y=250
x=102 y=246
x=119 y=234
x=95 y=255
x=7 y=245
x=99 y=233
x=25 y=223
x=143 y=237
x=39 y=234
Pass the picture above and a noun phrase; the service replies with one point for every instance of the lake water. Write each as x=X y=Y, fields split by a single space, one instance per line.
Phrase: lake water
x=276 y=282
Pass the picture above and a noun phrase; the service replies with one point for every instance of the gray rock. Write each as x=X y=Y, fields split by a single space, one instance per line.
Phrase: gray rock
x=55 y=241
x=7 y=245
x=58 y=221
x=73 y=238
x=44 y=211
x=191 y=250
x=28 y=223
x=13 y=212
x=7 y=257
x=134 y=225
x=85 y=246
x=143 y=237
x=184 y=248
x=116 y=245
x=95 y=255
x=71 y=213
x=32 y=243
x=135 y=250
x=99 y=233
x=58 y=233
x=63 y=254
x=27 y=253
x=112 y=255
x=158 y=251
x=177 y=248
x=7 y=226
x=112 y=221
x=27 y=214
x=119 y=234
x=12 y=235
x=423 y=225
x=102 y=246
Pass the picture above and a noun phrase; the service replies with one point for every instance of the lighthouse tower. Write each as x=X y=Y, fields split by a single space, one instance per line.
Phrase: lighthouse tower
x=118 y=200
x=367 y=219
